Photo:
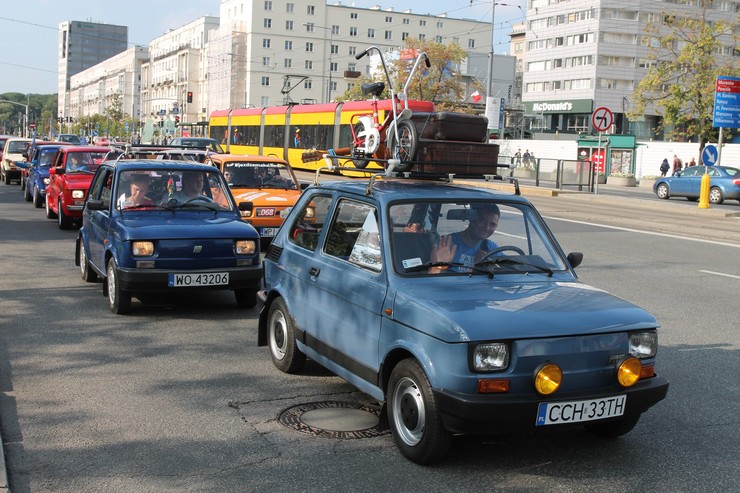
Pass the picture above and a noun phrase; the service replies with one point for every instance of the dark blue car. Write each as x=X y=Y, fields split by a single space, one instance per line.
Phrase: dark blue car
x=724 y=183
x=165 y=227
x=39 y=159
x=457 y=309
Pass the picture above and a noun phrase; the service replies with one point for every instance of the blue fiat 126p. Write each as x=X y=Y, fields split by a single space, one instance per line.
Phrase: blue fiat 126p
x=456 y=308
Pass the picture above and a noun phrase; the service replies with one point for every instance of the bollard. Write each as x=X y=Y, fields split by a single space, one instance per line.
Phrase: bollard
x=704 y=192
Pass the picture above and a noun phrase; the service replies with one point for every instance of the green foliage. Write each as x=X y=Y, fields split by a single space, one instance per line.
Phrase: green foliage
x=680 y=83
x=41 y=107
x=441 y=83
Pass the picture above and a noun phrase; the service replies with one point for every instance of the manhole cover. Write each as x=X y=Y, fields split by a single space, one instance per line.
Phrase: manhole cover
x=333 y=419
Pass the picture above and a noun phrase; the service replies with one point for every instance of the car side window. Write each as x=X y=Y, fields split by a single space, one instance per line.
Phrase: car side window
x=353 y=235
x=308 y=224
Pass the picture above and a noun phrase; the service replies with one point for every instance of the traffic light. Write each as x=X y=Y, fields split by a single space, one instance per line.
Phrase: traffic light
x=190 y=96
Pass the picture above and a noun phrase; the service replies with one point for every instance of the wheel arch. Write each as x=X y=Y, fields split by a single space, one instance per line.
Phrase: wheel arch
x=271 y=296
x=400 y=353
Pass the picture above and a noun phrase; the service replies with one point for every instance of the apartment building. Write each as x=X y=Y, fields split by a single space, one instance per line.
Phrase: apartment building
x=584 y=54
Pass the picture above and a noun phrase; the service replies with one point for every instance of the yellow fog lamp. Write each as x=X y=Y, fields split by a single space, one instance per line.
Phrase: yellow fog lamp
x=628 y=371
x=547 y=378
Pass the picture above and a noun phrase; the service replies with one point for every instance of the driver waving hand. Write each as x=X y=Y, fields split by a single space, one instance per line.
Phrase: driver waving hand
x=471 y=245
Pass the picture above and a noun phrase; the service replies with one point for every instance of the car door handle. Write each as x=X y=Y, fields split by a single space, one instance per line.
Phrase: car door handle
x=314 y=271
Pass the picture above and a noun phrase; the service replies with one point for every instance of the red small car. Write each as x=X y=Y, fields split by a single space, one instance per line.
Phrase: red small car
x=69 y=180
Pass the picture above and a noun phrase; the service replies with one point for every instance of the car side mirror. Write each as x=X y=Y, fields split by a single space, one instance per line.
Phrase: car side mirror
x=575 y=259
x=246 y=206
x=94 y=205
x=52 y=171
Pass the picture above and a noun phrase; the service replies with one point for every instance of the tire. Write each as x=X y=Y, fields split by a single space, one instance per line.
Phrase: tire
x=359 y=163
x=22 y=183
x=87 y=274
x=65 y=222
x=37 y=199
x=49 y=212
x=27 y=192
x=246 y=298
x=716 y=196
x=405 y=148
x=6 y=178
x=413 y=415
x=662 y=191
x=613 y=428
x=119 y=301
x=284 y=352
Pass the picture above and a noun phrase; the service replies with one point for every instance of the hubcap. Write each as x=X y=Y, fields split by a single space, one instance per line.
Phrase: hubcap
x=83 y=259
x=408 y=411
x=278 y=335
x=111 y=284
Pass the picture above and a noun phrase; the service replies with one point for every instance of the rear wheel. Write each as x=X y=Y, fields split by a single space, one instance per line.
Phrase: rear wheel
x=413 y=416
x=27 y=191
x=716 y=196
x=49 y=211
x=119 y=301
x=405 y=148
x=662 y=191
x=246 y=298
x=284 y=351
x=359 y=146
x=88 y=275
x=38 y=200
x=6 y=178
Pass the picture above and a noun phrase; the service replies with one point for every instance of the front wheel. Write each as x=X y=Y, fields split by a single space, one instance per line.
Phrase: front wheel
x=119 y=301
x=405 y=148
x=246 y=298
x=65 y=222
x=413 y=416
x=716 y=196
x=281 y=338
x=613 y=428
x=662 y=191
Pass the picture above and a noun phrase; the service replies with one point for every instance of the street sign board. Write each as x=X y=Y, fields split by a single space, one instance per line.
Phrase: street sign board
x=709 y=155
x=598 y=159
x=602 y=118
x=727 y=102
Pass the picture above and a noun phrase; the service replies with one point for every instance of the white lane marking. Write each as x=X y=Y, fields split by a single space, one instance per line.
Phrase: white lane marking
x=665 y=235
x=719 y=274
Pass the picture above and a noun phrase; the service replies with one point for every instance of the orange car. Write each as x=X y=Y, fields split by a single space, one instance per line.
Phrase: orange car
x=267 y=182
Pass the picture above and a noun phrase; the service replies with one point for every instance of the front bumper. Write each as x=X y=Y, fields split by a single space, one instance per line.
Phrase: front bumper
x=157 y=281
x=502 y=413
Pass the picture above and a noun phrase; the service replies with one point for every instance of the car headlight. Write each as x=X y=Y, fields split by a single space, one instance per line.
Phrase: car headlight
x=245 y=247
x=46 y=181
x=78 y=194
x=643 y=344
x=492 y=356
x=142 y=248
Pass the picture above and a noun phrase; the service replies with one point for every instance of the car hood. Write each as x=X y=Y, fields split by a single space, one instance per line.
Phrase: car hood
x=78 y=180
x=474 y=311
x=266 y=196
x=183 y=225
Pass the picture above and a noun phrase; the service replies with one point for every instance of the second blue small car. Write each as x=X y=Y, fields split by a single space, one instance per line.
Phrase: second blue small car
x=165 y=227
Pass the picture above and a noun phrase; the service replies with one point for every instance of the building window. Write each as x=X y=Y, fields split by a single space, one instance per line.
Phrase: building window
x=388 y=35
x=333 y=67
x=352 y=67
x=265 y=81
x=264 y=101
x=288 y=63
x=309 y=65
x=388 y=18
x=352 y=50
x=311 y=10
x=307 y=84
x=268 y=5
x=371 y=33
x=422 y=37
x=406 y=21
x=353 y=15
x=289 y=7
x=335 y=30
x=471 y=43
x=404 y=36
x=438 y=39
x=309 y=47
x=288 y=25
x=265 y=61
x=333 y=85
x=334 y=49
x=353 y=31
x=267 y=23
x=310 y=27
x=266 y=42
x=289 y=46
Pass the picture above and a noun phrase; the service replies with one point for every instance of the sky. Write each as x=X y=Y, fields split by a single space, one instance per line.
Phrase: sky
x=28 y=28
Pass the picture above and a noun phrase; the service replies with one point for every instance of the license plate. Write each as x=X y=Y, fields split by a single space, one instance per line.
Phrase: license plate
x=555 y=413
x=268 y=231
x=187 y=280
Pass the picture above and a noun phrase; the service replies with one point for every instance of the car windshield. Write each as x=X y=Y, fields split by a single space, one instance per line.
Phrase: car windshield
x=69 y=138
x=472 y=238
x=46 y=156
x=200 y=142
x=17 y=147
x=173 y=190
x=83 y=162
x=258 y=175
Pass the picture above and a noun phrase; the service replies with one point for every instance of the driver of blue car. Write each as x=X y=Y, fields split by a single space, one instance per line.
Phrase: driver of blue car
x=469 y=246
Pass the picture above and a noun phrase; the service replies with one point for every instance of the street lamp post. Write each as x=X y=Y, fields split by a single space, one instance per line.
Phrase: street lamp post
x=25 y=127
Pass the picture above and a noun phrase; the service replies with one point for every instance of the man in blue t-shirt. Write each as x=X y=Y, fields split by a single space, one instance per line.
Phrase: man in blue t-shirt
x=469 y=246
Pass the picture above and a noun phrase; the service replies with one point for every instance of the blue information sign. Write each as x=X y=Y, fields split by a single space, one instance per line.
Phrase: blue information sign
x=709 y=155
x=727 y=102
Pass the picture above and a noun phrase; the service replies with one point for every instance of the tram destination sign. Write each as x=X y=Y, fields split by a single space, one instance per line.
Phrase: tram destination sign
x=727 y=102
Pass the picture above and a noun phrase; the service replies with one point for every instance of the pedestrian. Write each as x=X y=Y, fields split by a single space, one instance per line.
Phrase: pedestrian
x=664 y=167
x=692 y=162
x=526 y=157
x=518 y=157
x=677 y=165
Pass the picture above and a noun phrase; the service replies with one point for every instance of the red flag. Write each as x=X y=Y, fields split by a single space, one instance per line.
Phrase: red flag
x=476 y=96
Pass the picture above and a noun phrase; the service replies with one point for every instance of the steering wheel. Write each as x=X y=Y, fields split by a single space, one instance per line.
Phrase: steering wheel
x=504 y=248
x=202 y=198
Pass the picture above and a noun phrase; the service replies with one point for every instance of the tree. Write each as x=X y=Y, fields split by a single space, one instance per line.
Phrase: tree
x=441 y=83
x=680 y=82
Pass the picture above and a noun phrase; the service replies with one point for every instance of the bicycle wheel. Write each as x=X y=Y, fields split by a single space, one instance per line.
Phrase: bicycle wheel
x=405 y=148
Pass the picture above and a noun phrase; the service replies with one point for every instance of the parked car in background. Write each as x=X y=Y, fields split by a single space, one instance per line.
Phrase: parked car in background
x=191 y=155
x=3 y=138
x=724 y=183
x=456 y=307
x=198 y=142
x=69 y=179
x=268 y=183
x=40 y=159
x=70 y=138
x=12 y=152
x=165 y=227
x=24 y=164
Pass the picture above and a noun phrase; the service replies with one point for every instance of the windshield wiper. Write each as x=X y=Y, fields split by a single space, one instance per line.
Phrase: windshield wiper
x=516 y=261
x=426 y=266
x=147 y=206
